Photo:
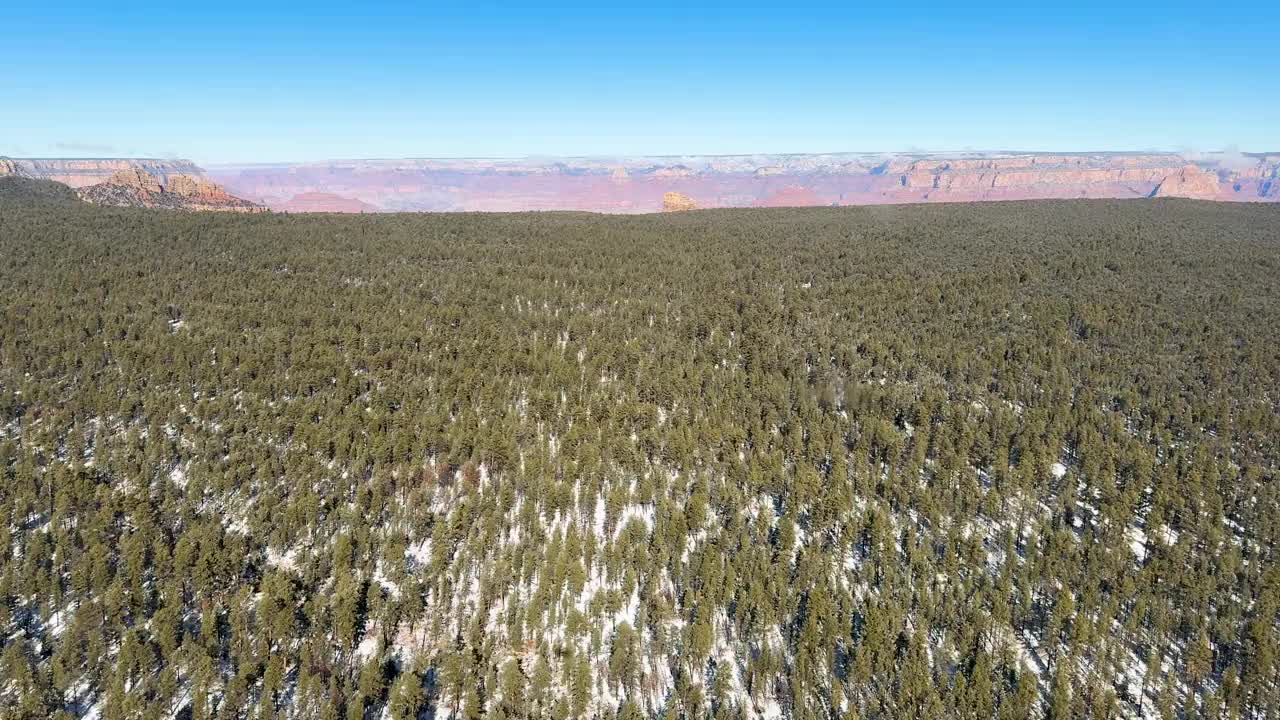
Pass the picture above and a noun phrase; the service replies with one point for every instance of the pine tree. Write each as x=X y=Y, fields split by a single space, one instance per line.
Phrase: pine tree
x=407 y=696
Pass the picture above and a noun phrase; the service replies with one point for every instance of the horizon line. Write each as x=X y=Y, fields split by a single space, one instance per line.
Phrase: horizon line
x=662 y=156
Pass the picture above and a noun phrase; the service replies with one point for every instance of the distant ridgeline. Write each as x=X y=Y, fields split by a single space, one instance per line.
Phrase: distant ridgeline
x=131 y=182
x=652 y=184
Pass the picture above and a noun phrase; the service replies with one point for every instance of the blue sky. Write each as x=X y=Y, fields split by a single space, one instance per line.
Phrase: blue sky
x=234 y=82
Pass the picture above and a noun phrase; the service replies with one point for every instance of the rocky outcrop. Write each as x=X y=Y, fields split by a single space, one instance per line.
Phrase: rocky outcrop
x=135 y=187
x=132 y=182
x=198 y=189
x=192 y=187
x=135 y=179
x=677 y=202
x=10 y=168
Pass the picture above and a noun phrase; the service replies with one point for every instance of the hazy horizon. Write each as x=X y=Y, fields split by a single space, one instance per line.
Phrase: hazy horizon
x=922 y=152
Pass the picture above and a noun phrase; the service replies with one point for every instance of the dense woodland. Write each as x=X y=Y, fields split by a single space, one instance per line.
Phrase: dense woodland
x=967 y=461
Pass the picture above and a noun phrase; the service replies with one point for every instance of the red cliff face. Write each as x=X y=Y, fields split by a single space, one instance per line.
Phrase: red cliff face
x=1190 y=182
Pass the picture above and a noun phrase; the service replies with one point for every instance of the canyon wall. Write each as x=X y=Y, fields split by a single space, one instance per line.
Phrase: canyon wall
x=646 y=184
x=649 y=184
x=132 y=182
x=80 y=172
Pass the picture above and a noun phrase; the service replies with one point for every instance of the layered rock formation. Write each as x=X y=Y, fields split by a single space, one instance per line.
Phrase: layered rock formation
x=11 y=168
x=135 y=187
x=1190 y=182
x=677 y=202
x=134 y=179
x=142 y=182
x=81 y=172
x=641 y=184
x=194 y=187
x=1059 y=176
x=650 y=184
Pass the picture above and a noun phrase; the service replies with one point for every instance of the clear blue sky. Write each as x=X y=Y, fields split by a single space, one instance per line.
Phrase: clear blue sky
x=225 y=81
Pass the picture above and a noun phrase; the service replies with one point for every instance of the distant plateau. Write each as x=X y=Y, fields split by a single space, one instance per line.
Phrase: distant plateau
x=653 y=184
